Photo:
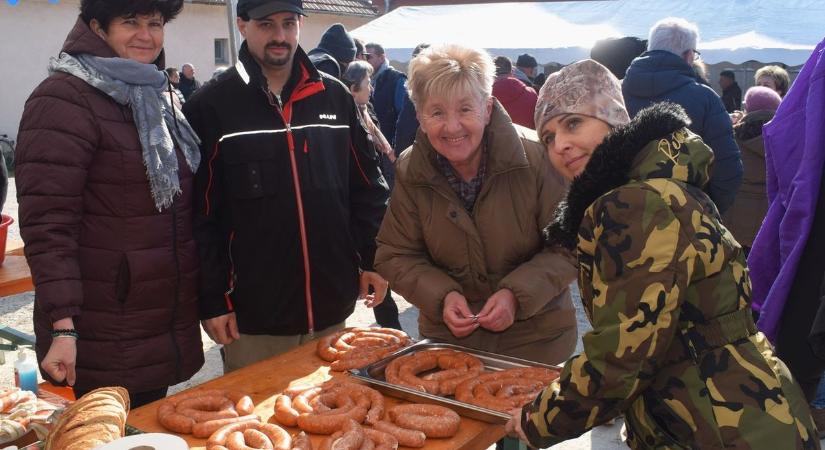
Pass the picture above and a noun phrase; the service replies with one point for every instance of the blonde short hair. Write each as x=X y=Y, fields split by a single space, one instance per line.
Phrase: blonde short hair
x=445 y=70
x=780 y=77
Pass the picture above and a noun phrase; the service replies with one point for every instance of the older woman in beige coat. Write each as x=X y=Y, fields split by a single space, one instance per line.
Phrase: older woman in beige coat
x=461 y=239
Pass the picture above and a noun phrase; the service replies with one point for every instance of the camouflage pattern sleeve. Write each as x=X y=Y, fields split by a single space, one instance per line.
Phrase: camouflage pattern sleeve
x=635 y=265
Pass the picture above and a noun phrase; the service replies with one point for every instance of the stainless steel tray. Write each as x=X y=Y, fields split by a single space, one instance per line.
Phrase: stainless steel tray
x=373 y=374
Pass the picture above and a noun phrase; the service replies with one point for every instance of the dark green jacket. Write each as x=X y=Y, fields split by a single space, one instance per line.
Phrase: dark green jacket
x=665 y=285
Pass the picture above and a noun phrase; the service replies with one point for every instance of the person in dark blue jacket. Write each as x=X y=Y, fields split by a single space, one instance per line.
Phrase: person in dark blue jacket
x=390 y=98
x=664 y=73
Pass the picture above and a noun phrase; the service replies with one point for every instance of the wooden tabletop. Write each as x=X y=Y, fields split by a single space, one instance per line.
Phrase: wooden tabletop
x=15 y=276
x=262 y=381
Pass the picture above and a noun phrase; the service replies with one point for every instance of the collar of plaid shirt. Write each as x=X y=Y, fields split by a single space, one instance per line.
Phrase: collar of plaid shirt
x=467 y=191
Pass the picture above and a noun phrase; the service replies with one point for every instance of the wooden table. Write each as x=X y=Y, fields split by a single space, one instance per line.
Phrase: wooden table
x=15 y=276
x=262 y=381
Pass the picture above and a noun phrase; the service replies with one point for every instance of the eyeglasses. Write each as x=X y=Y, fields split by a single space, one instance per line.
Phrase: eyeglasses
x=697 y=55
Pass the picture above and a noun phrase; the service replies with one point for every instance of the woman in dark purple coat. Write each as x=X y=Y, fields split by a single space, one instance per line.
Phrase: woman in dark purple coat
x=104 y=181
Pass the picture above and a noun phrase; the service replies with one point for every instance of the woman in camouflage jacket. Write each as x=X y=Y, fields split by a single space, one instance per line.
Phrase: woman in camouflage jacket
x=673 y=346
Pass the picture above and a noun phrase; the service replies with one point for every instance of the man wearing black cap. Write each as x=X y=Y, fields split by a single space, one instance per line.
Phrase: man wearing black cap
x=335 y=51
x=526 y=71
x=289 y=198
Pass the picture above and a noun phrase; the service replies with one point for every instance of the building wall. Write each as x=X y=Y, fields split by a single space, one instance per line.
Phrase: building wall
x=34 y=30
x=191 y=38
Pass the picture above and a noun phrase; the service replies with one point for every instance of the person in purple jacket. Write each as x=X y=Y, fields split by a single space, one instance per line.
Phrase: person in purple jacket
x=786 y=262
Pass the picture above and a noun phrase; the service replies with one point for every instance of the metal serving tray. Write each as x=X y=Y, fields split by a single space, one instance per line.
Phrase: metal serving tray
x=373 y=374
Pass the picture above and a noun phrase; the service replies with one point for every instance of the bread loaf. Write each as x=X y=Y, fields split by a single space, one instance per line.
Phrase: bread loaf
x=95 y=419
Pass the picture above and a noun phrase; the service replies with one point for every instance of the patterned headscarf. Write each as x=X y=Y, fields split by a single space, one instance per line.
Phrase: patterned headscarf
x=585 y=87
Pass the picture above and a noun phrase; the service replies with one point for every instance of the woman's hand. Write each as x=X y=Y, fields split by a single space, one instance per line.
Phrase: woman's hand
x=457 y=315
x=381 y=142
x=499 y=312
x=60 y=361
x=386 y=148
x=379 y=287
x=513 y=426
x=222 y=329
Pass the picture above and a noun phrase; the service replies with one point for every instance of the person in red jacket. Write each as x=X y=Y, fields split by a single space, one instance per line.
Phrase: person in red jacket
x=517 y=98
x=104 y=182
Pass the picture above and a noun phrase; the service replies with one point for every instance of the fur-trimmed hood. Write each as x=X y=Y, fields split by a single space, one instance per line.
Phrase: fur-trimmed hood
x=655 y=144
x=751 y=124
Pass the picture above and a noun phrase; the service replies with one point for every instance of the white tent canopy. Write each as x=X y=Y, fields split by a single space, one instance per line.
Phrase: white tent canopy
x=730 y=30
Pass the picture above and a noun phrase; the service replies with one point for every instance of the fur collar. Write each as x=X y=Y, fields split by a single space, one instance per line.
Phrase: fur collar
x=751 y=124
x=609 y=167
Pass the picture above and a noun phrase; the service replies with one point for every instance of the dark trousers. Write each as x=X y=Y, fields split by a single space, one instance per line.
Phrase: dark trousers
x=136 y=399
x=793 y=342
x=793 y=348
x=386 y=314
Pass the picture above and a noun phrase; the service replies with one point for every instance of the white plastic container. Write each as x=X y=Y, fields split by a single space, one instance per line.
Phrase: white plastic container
x=25 y=373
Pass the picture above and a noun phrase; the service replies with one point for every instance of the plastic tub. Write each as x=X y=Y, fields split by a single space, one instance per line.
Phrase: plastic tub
x=4 y=232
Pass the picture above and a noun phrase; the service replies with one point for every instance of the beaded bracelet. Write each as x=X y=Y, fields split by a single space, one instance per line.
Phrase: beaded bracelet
x=65 y=333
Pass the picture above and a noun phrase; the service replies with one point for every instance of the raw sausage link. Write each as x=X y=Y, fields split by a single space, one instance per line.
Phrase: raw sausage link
x=220 y=436
x=301 y=442
x=280 y=438
x=326 y=444
x=329 y=424
x=358 y=347
x=174 y=421
x=435 y=421
x=381 y=438
x=182 y=412
x=285 y=414
x=205 y=429
x=405 y=436
x=352 y=439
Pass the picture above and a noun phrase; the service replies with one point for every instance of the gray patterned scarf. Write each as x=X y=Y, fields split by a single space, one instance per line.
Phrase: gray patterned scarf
x=159 y=124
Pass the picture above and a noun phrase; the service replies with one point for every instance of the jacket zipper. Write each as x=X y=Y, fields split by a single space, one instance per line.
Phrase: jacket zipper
x=299 y=202
x=233 y=277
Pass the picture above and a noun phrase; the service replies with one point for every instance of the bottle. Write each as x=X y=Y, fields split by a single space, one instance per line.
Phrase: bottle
x=25 y=373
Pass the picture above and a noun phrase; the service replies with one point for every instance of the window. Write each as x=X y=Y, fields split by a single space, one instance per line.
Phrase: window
x=221 y=51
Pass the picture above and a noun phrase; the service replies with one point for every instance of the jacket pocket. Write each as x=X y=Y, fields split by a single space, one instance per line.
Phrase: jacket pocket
x=245 y=180
x=643 y=432
x=123 y=281
x=665 y=422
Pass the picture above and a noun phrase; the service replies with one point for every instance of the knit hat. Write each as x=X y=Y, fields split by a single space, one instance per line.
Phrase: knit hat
x=585 y=87
x=761 y=98
x=338 y=43
x=526 y=60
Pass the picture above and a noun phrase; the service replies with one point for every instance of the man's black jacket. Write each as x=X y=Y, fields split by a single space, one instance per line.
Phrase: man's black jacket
x=288 y=199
